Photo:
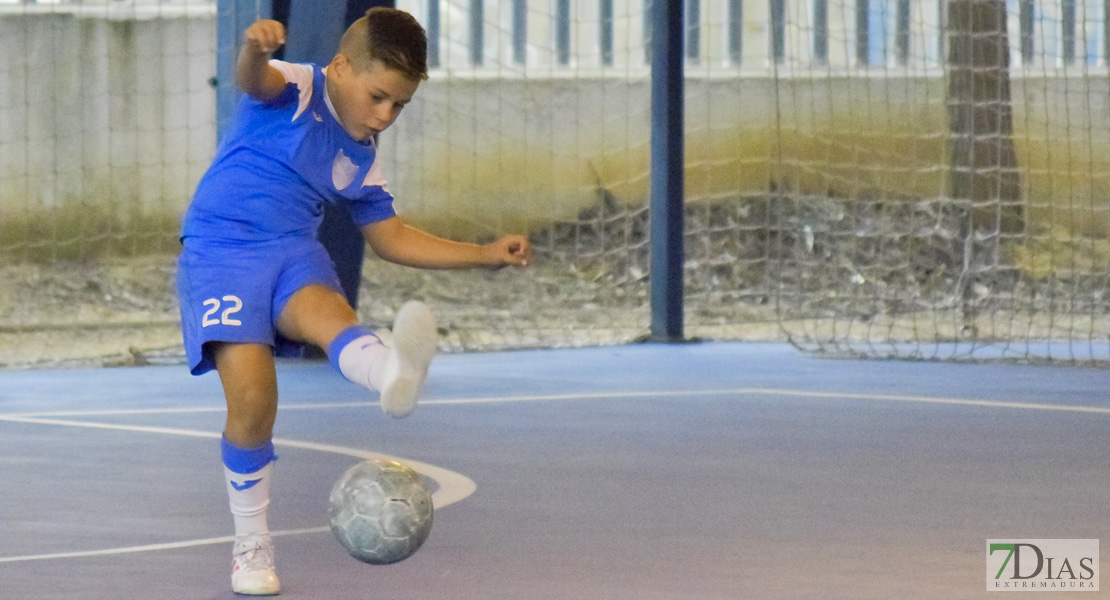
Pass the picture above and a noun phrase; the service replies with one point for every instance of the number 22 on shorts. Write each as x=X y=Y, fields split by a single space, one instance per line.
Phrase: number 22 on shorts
x=234 y=306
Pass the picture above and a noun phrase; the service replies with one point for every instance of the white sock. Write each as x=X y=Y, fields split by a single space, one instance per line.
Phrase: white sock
x=249 y=498
x=360 y=356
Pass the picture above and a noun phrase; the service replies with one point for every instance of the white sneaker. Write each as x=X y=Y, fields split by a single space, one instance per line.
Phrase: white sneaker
x=252 y=566
x=412 y=349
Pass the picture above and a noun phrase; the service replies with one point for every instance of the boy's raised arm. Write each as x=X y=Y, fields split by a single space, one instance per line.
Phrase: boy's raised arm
x=253 y=73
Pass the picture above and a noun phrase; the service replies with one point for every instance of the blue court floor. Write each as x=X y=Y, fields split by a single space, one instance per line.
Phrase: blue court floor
x=648 y=472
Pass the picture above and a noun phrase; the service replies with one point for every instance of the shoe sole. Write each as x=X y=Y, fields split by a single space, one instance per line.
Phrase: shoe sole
x=256 y=592
x=256 y=588
x=414 y=346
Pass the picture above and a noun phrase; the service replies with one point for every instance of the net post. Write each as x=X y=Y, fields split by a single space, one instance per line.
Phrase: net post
x=232 y=19
x=314 y=32
x=667 y=163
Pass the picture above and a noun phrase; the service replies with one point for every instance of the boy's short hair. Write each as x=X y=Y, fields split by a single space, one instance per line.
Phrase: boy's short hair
x=391 y=36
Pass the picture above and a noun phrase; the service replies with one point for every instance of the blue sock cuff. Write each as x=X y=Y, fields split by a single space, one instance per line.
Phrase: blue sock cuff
x=345 y=337
x=246 y=460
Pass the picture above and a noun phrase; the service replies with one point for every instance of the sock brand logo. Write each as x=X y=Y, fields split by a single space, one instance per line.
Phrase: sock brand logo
x=246 y=485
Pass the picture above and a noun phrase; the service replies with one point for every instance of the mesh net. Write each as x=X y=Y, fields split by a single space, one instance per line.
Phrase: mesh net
x=888 y=178
x=939 y=188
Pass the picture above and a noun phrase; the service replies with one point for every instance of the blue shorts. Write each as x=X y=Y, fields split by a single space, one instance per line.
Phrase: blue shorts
x=234 y=291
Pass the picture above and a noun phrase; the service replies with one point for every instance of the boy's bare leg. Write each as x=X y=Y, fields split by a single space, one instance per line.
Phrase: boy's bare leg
x=250 y=385
x=321 y=315
x=316 y=314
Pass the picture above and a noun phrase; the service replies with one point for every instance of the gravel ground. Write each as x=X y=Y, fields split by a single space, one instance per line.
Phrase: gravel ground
x=124 y=311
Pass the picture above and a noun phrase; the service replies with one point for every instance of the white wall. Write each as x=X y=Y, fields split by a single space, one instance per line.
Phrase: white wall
x=103 y=108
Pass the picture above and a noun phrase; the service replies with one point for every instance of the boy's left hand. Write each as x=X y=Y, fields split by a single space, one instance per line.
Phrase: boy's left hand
x=511 y=250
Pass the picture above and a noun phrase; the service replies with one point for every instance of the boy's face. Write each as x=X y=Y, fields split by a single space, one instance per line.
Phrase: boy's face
x=370 y=100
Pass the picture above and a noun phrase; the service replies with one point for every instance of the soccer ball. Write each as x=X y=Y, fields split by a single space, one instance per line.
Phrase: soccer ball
x=380 y=511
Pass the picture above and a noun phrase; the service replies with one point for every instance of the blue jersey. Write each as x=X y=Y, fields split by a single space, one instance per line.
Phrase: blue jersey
x=281 y=162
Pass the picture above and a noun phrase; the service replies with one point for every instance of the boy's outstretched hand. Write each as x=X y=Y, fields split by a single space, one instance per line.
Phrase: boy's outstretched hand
x=511 y=250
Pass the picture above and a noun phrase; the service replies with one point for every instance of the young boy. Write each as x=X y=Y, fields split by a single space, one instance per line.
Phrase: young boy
x=254 y=282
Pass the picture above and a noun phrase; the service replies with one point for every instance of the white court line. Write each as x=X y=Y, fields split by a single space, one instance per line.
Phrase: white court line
x=451 y=486
x=154 y=547
x=112 y=412
x=1080 y=408
x=784 y=392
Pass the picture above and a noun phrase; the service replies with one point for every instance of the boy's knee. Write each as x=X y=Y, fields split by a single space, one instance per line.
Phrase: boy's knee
x=251 y=412
x=316 y=314
x=249 y=429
